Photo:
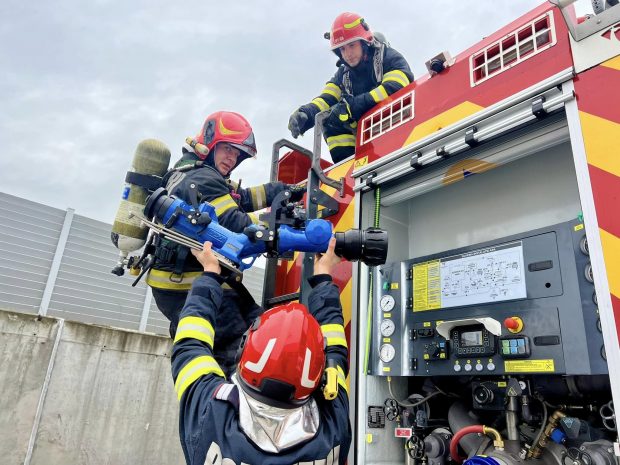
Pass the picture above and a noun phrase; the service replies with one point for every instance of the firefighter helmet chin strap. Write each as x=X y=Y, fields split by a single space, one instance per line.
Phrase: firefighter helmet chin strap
x=275 y=429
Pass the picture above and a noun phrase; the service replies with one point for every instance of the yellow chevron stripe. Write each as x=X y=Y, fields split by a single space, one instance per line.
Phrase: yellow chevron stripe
x=601 y=138
x=346 y=220
x=336 y=173
x=614 y=63
x=290 y=264
x=611 y=252
x=442 y=120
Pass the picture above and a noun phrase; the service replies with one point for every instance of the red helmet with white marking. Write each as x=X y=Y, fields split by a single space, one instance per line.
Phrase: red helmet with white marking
x=283 y=356
x=347 y=28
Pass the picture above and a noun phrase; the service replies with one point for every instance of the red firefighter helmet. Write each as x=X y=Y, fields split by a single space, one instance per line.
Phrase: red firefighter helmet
x=283 y=356
x=348 y=27
x=230 y=127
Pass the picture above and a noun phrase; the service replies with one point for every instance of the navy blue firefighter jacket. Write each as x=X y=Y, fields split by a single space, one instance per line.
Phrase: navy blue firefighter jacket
x=209 y=427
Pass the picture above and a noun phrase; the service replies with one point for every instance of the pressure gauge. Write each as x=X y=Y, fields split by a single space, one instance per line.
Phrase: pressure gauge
x=386 y=303
x=387 y=328
x=387 y=353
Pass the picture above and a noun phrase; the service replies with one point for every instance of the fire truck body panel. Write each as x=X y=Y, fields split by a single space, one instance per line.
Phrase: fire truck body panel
x=516 y=159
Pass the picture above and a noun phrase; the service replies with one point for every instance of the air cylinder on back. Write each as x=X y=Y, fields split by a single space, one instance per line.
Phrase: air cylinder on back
x=149 y=165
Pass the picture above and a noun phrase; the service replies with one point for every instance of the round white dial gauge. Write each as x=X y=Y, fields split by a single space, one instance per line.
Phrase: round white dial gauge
x=386 y=303
x=387 y=353
x=387 y=328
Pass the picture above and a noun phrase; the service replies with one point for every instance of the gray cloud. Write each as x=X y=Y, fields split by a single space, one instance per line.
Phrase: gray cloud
x=84 y=82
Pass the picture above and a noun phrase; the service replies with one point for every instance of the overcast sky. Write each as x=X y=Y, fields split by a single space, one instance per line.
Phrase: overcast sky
x=82 y=82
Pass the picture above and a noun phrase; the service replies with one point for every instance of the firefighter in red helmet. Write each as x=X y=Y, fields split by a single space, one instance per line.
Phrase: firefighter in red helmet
x=272 y=409
x=203 y=173
x=369 y=70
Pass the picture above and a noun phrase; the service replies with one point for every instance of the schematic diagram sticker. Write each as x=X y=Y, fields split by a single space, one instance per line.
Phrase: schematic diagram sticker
x=492 y=274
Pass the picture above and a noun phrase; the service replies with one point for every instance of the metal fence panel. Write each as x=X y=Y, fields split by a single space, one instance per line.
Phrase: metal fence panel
x=28 y=240
x=85 y=290
x=82 y=287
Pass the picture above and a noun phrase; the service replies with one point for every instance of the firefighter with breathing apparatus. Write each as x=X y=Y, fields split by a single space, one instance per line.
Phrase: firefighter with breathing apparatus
x=201 y=175
x=271 y=410
x=369 y=70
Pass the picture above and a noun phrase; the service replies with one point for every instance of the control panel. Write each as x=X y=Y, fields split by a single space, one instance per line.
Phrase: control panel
x=524 y=304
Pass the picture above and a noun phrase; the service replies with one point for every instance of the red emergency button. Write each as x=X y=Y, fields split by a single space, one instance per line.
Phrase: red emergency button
x=514 y=324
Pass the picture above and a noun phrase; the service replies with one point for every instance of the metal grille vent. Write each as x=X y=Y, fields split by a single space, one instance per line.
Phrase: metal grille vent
x=388 y=117
x=525 y=42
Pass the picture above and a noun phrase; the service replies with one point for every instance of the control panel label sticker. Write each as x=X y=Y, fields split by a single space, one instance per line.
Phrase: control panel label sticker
x=491 y=274
x=426 y=286
x=529 y=366
x=579 y=227
x=403 y=432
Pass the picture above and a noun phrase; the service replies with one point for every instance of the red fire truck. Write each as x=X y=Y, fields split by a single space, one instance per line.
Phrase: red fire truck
x=491 y=333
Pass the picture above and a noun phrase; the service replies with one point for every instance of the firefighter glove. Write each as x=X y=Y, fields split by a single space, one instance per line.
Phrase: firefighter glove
x=342 y=112
x=296 y=123
x=297 y=192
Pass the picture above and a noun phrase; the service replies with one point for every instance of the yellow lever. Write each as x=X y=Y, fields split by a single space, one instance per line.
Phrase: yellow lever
x=330 y=390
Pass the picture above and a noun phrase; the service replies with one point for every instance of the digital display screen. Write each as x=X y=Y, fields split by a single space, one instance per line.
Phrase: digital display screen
x=471 y=338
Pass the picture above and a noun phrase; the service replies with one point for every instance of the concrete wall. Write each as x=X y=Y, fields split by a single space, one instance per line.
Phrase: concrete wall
x=74 y=393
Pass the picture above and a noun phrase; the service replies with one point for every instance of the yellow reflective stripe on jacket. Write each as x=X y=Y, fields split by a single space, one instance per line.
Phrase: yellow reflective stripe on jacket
x=258 y=196
x=161 y=279
x=199 y=366
x=320 y=103
x=342 y=379
x=223 y=204
x=168 y=280
x=193 y=327
x=343 y=140
x=333 y=90
x=396 y=76
x=254 y=218
x=334 y=333
x=378 y=94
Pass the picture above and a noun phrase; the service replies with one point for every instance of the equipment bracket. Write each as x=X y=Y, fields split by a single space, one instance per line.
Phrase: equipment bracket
x=470 y=139
x=414 y=162
x=538 y=109
x=320 y=198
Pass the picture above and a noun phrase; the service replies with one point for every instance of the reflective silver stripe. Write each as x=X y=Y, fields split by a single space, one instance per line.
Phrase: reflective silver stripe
x=258 y=196
x=174 y=180
x=343 y=140
x=254 y=218
x=224 y=391
x=193 y=327
x=396 y=76
x=223 y=204
x=334 y=333
x=168 y=280
x=342 y=379
x=200 y=366
x=378 y=93
x=320 y=103
x=333 y=90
